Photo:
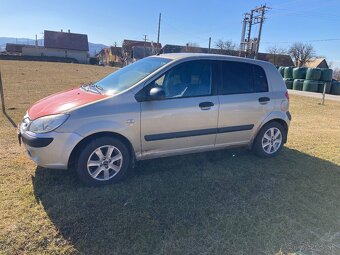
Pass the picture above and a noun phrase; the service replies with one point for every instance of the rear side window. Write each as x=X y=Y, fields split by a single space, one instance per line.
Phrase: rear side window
x=260 y=79
x=237 y=78
x=241 y=78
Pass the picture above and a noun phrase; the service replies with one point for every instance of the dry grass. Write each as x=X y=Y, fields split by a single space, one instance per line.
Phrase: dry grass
x=227 y=202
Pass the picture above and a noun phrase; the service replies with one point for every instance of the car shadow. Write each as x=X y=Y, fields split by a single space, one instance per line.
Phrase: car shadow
x=224 y=202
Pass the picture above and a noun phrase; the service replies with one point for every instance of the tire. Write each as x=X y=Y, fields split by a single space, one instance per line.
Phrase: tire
x=262 y=151
x=103 y=171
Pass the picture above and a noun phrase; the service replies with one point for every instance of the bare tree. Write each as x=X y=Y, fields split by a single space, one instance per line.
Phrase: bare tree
x=301 y=53
x=276 y=50
x=336 y=73
x=225 y=45
x=336 y=70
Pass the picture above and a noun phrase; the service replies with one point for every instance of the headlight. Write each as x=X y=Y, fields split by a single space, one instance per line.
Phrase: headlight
x=47 y=123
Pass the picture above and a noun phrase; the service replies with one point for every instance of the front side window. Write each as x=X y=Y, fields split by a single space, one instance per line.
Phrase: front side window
x=189 y=79
x=128 y=76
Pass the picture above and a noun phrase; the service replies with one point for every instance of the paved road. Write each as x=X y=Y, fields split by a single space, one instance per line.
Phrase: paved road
x=313 y=94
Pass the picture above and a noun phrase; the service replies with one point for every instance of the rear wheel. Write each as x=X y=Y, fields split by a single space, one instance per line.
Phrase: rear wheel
x=102 y=161
x=270 y=139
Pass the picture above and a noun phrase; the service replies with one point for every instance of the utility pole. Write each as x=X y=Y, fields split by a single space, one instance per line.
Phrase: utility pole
x=2 y=96
x=250 y=46
x=145 y=39
x=243 y=33
x=115 y=52
x=209 y=44
x=159 y=28
x=262 y=11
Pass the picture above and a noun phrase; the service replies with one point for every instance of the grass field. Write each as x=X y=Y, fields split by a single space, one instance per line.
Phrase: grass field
x=226 y=202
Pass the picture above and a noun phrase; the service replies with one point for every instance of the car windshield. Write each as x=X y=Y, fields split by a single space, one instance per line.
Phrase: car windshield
x=128 y=76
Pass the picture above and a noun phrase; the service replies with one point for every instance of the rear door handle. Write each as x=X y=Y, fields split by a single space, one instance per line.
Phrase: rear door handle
x=264 y=100
x=206 y=105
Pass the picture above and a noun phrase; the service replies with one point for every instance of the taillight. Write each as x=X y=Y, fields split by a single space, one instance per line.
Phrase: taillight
x=287 y=95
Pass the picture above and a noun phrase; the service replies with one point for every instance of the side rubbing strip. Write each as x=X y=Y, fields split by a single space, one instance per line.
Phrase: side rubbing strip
x=235 y=128
x=209 y=131
x=180 y=134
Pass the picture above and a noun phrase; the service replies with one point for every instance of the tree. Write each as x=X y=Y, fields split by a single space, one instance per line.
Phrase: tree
x=276 y=50
x=225 y=45
x=275 y=54
x=301 y=53
x=336 y=70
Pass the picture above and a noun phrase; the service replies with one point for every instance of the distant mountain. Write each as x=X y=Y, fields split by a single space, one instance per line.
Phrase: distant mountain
x=93 y=47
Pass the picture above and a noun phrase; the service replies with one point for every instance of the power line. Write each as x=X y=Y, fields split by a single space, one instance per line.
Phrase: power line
x=315 y=40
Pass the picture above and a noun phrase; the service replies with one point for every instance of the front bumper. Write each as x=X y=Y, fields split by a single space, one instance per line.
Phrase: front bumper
x=49 y=150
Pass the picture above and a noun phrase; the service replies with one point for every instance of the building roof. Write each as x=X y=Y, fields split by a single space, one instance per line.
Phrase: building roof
x=276 y=59
x=317 y=63
x=14 y=48
x=65 y=40
x=128 y=44
x=116 y=50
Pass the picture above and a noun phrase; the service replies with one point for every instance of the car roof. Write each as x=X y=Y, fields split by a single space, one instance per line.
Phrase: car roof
x=178 y=56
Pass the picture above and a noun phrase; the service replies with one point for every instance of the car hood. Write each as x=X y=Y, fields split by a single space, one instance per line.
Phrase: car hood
x=61 y=102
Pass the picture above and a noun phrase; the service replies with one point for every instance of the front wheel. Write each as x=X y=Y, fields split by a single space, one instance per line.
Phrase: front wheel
x=102 y=161
x=270 y=139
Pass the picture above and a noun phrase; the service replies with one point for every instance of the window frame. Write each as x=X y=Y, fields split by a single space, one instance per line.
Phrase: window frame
x=221 y=80
x=214 y=64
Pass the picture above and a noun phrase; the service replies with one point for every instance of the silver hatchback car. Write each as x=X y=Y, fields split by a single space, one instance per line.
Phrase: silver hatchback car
x=159 y=106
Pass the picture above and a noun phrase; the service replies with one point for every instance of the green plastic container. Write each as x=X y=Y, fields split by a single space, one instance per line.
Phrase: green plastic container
x=335 y=90
x=282 y=70
x=313 y=74
x=311 y=86
x=299 y=73
x=326 y=74
x=289 y=83
x=298 y=84
x=328 y=86
x=288 y=74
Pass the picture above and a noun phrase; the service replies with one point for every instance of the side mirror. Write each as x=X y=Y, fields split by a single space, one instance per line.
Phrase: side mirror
x=156 y=93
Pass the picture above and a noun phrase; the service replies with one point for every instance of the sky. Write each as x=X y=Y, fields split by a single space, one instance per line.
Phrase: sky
x=311 y=21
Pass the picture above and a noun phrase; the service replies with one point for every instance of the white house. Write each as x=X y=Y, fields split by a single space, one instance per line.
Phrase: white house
x=61 y=44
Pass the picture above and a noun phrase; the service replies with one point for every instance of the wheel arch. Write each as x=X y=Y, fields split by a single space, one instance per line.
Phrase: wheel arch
x=76 y=150
x=282 y=122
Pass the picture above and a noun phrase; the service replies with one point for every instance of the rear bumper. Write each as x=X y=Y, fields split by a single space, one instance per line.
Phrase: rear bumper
x=50 y=150
x=289 y=115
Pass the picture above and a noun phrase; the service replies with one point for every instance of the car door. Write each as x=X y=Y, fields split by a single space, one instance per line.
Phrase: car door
x=186 y=120
x=244 y=102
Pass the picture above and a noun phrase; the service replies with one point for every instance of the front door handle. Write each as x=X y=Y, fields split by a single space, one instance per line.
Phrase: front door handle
x=264 y=100
x=206 y=105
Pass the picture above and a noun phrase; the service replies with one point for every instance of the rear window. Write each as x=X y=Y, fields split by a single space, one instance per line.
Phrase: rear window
x=241 y=78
